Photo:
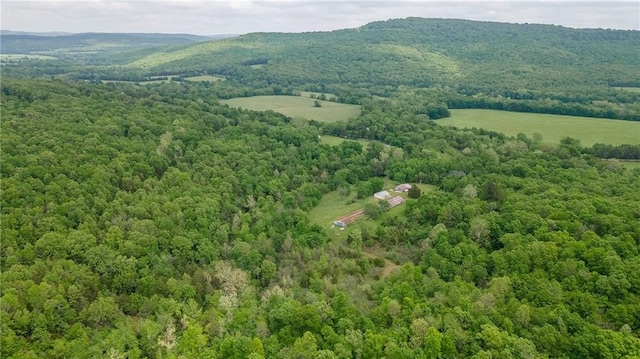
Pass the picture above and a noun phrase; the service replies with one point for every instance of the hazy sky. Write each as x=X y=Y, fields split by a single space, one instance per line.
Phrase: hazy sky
x=242 y=16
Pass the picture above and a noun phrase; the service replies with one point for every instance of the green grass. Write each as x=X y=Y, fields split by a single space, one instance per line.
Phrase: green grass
x=139 y=82
x=426 y=187
x=297 y=107
x=631 y=89
x=630 y=164
x=205 y=78
x=552 y=127
x=335 y=141
x=149 y=80
x=333 y=206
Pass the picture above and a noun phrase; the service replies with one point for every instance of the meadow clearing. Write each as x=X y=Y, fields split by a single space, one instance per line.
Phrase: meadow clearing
x=205 y=78
x=630 y=89
x=147 y=81
x=552 y=127
x=335 y=141
x=630 y=164
x=297 y=107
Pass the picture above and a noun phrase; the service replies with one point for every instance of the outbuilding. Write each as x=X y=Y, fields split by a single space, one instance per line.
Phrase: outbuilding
x=405 y=187
x=382 y=195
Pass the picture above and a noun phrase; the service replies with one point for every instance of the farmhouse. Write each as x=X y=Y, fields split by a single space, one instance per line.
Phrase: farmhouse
x=405 y=187
x=382 y=195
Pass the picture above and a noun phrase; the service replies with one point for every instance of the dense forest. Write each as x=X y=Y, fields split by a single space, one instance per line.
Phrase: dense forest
x=419 y=52
x=151 y=221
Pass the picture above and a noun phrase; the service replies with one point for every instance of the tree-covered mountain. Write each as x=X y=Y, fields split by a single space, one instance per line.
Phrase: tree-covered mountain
x=420 y=52
x=154 y=222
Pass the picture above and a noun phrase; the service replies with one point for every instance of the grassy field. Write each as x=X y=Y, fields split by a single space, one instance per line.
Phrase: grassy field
x=630 y=164
x=138 y=82
x=297 y=107
x=335 y=141
x=552 y=127
x=205 y=78
x=149 y=80
x=333 y=206
x=631 y=89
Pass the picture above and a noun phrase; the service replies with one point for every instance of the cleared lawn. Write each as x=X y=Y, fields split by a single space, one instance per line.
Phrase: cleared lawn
x=631 y=89
x=146 y=82
x=426 y=187
x=333 y=206
x=552 y=127
x=630 y=164
x=297 y=106
x=205 y=78
x=335 y=141
x=149 y=80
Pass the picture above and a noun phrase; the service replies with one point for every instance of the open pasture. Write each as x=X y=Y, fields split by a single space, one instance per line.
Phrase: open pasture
x=630 y=89
x=333 y=206
x=552 y=127
x=630 y=164
x=148 y=80
x=297 y=107
x=336 y=141
x=205 y=78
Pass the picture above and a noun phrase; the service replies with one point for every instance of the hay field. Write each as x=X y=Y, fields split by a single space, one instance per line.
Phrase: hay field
x=552 y=127
x=297 y=107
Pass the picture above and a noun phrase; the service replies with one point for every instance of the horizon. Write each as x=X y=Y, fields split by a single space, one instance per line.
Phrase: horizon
x=197 y=17
x=66 y=33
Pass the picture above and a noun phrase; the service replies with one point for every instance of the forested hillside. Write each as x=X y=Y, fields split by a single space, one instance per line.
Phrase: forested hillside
x=420 y=52
x=152 y=221
x=516 y=67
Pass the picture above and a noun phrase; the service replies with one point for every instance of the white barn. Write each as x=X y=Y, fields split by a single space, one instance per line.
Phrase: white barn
x=382 y=195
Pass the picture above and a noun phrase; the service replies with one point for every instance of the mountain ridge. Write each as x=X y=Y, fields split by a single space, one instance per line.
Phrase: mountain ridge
x=529 y=52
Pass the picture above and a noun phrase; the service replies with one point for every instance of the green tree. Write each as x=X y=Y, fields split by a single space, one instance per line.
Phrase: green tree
x=414 y=192
x=373 y=210
x=103 y=312
x=193 y=342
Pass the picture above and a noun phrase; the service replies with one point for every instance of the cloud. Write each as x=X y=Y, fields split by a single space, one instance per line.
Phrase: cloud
x=242 y=16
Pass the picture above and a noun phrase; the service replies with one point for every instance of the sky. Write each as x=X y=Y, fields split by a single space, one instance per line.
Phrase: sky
x=243 y=16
